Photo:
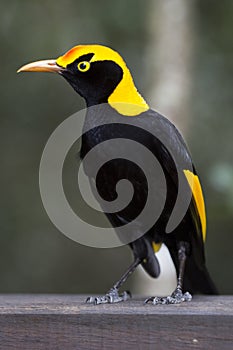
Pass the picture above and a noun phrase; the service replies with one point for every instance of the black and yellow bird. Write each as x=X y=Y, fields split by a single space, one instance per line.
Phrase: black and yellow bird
x=101 y=77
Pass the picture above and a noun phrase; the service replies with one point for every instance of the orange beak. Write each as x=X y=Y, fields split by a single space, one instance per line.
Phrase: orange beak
x=41 y=66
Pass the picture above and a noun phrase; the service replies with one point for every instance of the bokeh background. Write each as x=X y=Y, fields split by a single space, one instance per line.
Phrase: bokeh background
x=181 y=56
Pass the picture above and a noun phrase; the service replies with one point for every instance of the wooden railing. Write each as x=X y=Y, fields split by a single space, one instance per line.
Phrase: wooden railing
x=66 y=322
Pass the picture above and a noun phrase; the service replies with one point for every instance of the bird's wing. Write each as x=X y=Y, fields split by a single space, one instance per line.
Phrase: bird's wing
x=175 y=147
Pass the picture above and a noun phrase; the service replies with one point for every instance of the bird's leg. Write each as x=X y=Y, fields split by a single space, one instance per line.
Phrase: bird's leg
x=113 y=295
x=177 y=296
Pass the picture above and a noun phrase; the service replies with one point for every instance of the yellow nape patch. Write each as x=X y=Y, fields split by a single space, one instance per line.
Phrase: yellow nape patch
x=156 y=246
x=195 y=186
x=125 y=98
x=128 y=109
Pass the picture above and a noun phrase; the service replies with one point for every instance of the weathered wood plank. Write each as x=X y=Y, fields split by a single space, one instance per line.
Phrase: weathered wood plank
x=66 y=322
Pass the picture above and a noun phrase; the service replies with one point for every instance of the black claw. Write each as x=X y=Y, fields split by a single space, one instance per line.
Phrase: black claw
x=148 y=300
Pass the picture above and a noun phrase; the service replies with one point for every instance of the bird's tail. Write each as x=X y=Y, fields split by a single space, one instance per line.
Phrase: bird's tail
x=197 y=279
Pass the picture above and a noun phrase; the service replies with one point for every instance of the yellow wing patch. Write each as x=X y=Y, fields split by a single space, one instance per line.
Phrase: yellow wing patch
x=125 y=98
x=195 y=186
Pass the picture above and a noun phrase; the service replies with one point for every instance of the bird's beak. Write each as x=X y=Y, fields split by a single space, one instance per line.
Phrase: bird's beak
x=41 y=66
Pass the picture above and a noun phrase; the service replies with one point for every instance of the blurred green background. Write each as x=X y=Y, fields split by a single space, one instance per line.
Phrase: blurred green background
x=34 y=255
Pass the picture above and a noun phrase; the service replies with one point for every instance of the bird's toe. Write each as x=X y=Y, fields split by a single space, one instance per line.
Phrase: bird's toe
x=176 y=297
x=111 y=297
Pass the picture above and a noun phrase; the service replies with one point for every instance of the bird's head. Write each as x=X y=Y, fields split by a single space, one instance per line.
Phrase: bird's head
x=97 y=73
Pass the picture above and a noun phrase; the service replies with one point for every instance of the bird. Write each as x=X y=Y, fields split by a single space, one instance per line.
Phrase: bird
x=101 y=76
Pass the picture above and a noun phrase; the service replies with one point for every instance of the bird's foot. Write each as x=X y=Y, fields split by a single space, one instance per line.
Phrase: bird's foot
x=176 y=297
x=111 y=297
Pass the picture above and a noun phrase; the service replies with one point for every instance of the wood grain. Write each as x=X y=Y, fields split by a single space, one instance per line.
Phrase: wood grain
x=66 y=322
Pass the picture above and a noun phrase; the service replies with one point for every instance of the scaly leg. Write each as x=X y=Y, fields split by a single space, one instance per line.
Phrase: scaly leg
x=113 y=296
x=177 y=296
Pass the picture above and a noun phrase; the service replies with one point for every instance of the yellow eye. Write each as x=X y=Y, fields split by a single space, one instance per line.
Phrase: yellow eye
x=84 y=66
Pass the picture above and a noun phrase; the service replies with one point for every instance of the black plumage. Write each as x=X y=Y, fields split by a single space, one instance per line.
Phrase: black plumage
x=189 y=230
x=116 y=111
